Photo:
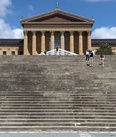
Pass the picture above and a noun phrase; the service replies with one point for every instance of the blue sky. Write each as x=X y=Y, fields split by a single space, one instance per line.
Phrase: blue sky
x=103 y=12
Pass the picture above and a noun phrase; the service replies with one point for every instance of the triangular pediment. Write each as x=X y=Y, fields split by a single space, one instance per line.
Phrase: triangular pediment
x=57 y=16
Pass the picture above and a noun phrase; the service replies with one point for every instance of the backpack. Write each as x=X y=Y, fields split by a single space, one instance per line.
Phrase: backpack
x=101 y=55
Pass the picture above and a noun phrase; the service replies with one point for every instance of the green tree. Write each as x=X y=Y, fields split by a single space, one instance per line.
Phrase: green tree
x=105 y=49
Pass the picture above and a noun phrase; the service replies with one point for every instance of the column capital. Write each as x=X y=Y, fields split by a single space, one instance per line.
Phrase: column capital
x=80 y=32
x=62 y=32
x=34 y=32
x=25 y=32
x=52 y=32
x=42 y=32
x=89 y=33
x=71 y=32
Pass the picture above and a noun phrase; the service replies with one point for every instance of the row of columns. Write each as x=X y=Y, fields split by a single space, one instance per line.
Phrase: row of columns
x=34 y=52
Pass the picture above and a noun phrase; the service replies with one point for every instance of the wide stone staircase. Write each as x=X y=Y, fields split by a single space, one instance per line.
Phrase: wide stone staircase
x=57 y=93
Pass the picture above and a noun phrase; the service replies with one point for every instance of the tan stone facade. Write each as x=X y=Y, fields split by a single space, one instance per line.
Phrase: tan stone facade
x=11 y=46
x=8 y=50
x=51 y=30
x=41 y=33
x=37 y=41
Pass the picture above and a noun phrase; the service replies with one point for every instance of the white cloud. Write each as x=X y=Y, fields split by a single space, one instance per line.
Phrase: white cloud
x=18 y=33
x=30 y=8
x=4 y=7
x=8 y=32
x=104 y=33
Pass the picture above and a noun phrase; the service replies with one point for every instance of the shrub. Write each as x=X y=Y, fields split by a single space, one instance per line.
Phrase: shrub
x=105 y=49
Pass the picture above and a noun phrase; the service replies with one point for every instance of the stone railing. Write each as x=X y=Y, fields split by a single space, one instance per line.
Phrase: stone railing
x=60 y=52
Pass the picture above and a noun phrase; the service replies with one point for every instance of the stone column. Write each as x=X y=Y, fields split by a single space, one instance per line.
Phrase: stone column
x=71 y=42
x=80 y=43
x=62 y=40
x=43 y=41
x=25 y=50
x=52 y=40
x=34 y=52
x=89 y=40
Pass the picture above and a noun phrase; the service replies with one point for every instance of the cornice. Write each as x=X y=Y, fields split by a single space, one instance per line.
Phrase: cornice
x=57 y=12
x=57 y=23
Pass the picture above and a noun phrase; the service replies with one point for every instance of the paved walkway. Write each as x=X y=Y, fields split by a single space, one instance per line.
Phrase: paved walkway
x=58 y=134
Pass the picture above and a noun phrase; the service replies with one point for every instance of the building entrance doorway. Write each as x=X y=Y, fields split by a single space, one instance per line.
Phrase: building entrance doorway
x=57 y=42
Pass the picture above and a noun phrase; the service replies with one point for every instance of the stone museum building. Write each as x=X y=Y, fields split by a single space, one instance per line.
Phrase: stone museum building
x=51 y=30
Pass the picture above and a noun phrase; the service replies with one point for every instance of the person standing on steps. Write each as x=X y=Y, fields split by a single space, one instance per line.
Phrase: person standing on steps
x=57 y=50
x=93 y=52
x=91 y=59
x=87 y=57
x=102 y=57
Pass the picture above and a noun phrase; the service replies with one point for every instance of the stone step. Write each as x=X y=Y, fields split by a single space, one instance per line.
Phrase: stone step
x=60 y=102
x=81 y=114
x=57 y=93
x=53 y=58
x=43 y=97
x=80 y=106
x=56 y=123
x=61 y=119
x=81 y=92
x=55 y=109
x=63 y=116
x=111 y=107
x=57 y=104
x=76 y=96
x=58 y=112
x=38 y=103
x=5 y=107
x=75 y=107
x=71 y=106
x=112 y=117
x=70 y=99
x=49 y=109
x=56 y=128
x=88 y=99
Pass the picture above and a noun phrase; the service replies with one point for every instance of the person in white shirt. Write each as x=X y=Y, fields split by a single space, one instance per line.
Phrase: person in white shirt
x=42 y=53
x=87 y=56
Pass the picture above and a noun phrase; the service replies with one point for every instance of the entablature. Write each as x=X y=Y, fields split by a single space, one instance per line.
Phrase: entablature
x=57 y=29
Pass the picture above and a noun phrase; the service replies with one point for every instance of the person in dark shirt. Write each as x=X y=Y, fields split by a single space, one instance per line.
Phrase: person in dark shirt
x=102 y=57
x=56 y=48
x=91 y=59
